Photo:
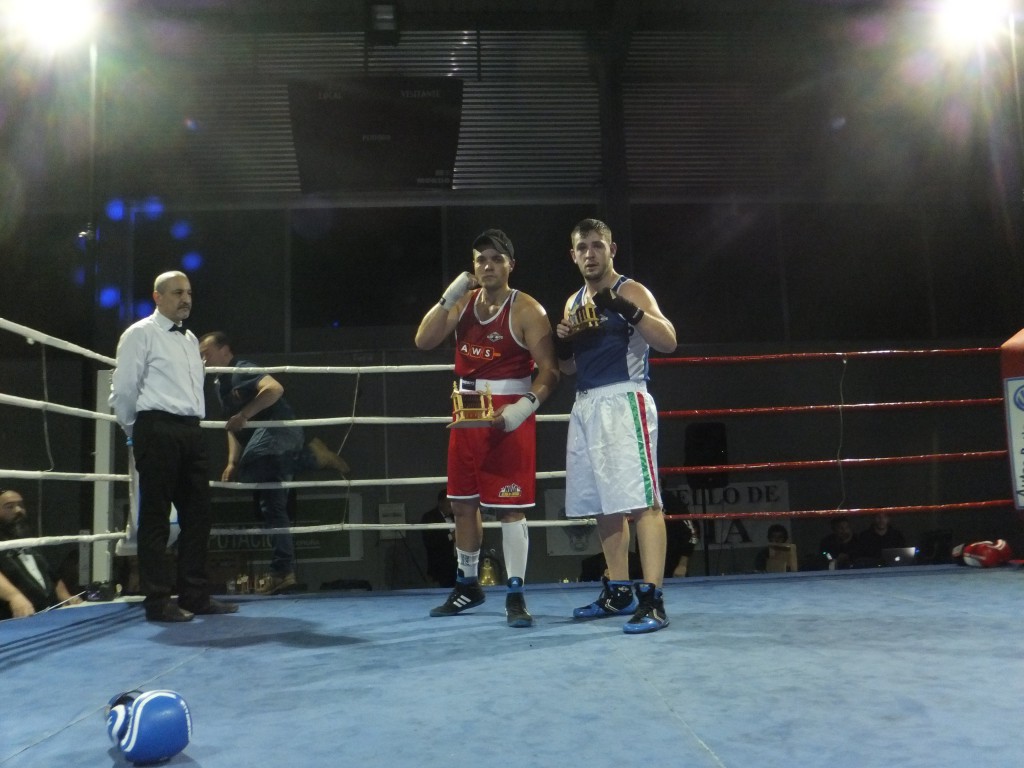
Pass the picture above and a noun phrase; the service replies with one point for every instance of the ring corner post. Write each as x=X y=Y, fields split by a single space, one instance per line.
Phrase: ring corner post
x=103 y=497
x=1011 y=365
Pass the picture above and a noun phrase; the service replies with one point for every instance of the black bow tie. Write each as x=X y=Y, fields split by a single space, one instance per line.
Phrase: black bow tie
x=179 y=328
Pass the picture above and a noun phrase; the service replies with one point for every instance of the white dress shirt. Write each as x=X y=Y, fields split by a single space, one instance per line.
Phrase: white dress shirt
x=157 y=370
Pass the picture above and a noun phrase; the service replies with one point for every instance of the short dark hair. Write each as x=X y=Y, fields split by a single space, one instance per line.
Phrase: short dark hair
x=216 y=337
x=591 y=225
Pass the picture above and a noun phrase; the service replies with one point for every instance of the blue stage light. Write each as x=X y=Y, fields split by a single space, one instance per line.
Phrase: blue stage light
x=110 y=296
x=115 y=209
x=181 y=229
x=191 y=261
x=152 y=208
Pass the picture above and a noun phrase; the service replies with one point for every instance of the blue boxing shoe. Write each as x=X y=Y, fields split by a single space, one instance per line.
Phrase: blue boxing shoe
x=616 y=599
x=650 y=613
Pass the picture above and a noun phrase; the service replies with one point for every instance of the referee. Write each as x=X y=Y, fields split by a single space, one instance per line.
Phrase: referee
x=156 y=393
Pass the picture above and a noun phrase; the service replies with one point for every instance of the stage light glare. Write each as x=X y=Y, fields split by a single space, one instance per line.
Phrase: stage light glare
x=51 y=25
x=965 y=24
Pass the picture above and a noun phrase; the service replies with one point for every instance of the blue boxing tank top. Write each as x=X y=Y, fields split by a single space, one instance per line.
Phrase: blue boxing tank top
x=612 y=354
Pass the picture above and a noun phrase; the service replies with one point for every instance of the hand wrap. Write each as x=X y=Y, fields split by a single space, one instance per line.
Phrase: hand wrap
x=519 y=411
x=459 y=287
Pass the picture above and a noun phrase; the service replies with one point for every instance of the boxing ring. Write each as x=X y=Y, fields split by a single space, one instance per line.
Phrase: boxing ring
x=915 y=666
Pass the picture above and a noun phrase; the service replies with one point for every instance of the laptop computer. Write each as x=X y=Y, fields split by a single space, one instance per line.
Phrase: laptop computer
x=781 y=558
x=899 y=556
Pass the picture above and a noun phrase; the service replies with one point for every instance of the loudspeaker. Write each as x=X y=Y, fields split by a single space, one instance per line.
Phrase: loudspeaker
x=705 y=446
x=936 y=547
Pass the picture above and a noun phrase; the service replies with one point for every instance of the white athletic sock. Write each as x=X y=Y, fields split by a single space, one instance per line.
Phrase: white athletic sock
x=515 y=545
x=469 y=564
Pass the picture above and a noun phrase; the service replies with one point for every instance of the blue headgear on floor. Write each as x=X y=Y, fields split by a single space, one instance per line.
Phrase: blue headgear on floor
x=149 y=727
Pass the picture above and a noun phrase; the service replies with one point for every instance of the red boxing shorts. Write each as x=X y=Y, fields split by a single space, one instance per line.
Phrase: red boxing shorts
x=498 y=467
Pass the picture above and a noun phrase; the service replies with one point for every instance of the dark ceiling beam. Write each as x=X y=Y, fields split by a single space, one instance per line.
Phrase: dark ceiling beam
x=426 y=15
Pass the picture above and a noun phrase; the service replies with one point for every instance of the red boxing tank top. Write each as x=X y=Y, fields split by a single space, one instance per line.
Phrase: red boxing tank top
x=488 y=349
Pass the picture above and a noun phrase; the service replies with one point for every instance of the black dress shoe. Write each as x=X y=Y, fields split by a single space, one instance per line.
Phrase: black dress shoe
x=167 y=612
x=212 y=608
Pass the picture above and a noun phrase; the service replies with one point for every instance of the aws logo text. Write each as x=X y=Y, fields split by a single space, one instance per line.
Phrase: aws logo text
x=478 y=352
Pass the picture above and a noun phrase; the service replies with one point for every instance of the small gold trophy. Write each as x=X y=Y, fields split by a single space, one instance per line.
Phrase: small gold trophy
x=488 y=573
x=583 y=319
x=471 y=409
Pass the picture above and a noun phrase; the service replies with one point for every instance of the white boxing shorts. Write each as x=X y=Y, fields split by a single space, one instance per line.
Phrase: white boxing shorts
x=611 y=461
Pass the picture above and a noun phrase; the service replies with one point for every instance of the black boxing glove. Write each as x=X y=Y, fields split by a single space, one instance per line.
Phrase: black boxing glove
x=609 y=299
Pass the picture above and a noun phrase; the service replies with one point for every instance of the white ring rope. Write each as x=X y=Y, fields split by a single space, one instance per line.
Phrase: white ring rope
x=335 y=420
x=42 y=405
x=554 y=475
x=356 y=369
x=364 y=420
x=50 y=475
x=46 y=541
x=34 y=336
x=336 y=527
x=84 y=538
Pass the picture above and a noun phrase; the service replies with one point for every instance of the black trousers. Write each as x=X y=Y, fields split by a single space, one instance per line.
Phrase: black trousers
x=170 y=456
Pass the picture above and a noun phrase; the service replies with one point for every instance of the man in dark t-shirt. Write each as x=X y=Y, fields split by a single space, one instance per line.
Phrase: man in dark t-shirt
x=264 y=454
x=880 y=535
x=840 y=546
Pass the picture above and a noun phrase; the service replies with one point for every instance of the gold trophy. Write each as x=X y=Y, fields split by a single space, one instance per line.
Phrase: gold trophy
x=471 y=409
x=583 y=319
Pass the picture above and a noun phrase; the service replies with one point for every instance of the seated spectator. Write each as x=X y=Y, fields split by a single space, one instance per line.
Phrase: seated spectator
x=779 y=556
x=28 y=584
x=839 y=548
x=682 y=539
x=681 y=535
x=871 y=541
x=440 y=544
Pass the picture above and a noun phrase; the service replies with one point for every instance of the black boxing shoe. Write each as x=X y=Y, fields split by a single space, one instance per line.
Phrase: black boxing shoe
x=466 y=595
x=211 y=608
x=515 y=605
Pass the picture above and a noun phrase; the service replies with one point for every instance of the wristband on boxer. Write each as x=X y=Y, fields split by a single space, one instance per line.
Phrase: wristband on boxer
x=563 y=348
